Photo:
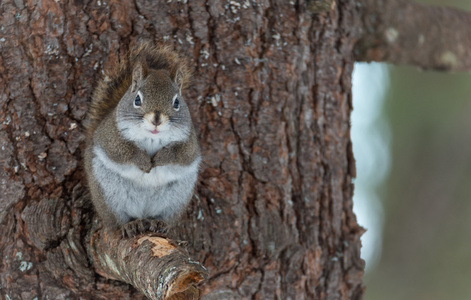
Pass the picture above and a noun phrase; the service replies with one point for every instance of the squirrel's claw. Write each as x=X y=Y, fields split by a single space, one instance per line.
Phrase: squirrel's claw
x=139 y=226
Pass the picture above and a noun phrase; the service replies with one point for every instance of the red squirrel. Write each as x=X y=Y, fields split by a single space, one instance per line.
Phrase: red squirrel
x=142 y=155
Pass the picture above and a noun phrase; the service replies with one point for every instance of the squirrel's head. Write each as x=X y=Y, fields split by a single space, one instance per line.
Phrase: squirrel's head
x=153 y=107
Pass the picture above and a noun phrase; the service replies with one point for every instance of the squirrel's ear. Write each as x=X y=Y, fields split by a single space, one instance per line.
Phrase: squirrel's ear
x=137 y=75
x=179 y=79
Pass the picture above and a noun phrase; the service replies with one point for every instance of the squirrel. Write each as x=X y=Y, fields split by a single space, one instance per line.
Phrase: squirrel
x=142 y=154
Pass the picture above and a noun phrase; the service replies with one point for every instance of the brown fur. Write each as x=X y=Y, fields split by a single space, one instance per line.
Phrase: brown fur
x=180 y=153
x=111 y=89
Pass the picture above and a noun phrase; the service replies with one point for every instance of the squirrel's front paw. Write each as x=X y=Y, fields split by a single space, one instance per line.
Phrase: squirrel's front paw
x=133 y=228
x=164 y=156
x=146 y=169
x=145 y=165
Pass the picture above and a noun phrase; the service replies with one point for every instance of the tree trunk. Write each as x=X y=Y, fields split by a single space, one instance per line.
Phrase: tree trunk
x=271 y=99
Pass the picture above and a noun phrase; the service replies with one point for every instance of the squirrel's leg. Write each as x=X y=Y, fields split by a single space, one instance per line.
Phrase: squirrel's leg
x=139 y=226
x=107 y=216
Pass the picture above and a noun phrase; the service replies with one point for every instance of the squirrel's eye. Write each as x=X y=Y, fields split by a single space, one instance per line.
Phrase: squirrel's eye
x=137 y=100
x=176 y=103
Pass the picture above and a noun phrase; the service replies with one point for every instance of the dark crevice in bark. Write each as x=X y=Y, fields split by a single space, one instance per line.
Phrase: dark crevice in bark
x=196 y=42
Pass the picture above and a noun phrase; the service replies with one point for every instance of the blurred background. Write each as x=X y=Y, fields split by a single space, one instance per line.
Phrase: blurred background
x=411 y=134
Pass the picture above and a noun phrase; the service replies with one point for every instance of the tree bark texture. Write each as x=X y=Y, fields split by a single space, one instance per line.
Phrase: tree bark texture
x=272 y=216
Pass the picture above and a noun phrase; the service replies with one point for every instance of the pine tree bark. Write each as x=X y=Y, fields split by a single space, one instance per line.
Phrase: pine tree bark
x=271 y=100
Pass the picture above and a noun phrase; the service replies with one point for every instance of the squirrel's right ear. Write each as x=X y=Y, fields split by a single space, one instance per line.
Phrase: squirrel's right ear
x=138 y=73
x=179 y=79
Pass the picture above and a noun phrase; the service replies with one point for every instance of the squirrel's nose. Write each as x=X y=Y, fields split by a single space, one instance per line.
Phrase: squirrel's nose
x=156 y=119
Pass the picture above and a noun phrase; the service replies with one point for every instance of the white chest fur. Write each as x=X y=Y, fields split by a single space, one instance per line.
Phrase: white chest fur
x=131 y=193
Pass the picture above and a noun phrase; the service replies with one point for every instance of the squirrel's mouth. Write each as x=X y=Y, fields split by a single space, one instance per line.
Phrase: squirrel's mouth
x=154 y=131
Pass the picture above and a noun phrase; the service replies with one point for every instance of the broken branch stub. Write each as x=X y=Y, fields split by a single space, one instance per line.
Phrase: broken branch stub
x=408 y=33
x=154 y=265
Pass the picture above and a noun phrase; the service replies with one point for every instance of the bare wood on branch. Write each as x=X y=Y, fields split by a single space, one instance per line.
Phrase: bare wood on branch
x=405 y=32
x=156 y=266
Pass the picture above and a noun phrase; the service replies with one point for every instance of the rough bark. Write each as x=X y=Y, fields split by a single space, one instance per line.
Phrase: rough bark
x=271 y=100
x=408 y=33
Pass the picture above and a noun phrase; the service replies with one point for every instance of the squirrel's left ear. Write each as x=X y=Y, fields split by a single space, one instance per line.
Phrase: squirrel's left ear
x=138 y=73
x=179 y=79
